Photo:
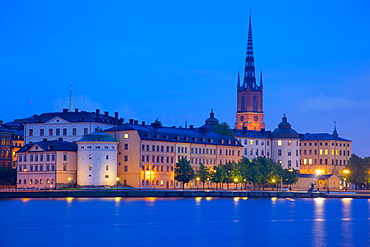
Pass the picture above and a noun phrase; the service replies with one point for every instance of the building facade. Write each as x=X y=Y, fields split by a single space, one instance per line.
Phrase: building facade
x=70 y=126
x=47 y=165
x=147 y=154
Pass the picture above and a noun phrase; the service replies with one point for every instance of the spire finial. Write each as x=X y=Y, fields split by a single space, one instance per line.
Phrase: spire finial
x=335 y=132
x=238 y=78
x=70 y=98
x=211 y=115
x=261 y=85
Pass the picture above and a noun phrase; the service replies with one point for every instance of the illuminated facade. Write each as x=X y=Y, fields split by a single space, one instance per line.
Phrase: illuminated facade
x=5 y=147
x=324 y=153
x=47 y=165
x=97 y=160
x=147 y=154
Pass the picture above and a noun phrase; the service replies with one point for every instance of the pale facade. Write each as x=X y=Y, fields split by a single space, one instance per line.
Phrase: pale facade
x=70 y=126
x=97 y=160
x=47 y=165
x=147 y=154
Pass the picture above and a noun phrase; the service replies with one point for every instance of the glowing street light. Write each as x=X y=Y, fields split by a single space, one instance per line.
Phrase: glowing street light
x=346 y=172
x=198 y=179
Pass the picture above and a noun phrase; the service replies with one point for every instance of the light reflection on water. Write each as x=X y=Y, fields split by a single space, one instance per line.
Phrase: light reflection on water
x=200 y=221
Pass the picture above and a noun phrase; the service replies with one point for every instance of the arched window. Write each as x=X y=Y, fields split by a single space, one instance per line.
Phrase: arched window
x=243 y=104
x=255 y=103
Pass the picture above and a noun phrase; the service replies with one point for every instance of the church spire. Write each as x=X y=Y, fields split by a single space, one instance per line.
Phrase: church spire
x=249 y=72
x=261 y=85
x=238 y=79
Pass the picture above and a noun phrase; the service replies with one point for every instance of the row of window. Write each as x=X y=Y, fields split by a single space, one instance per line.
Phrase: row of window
x=323 y=162
x=255 y=142
x=289 y=153
x=157 y=168
x=289 y=163
x=57 y=132
x=326 y=152
x=39 y=157
x=157 y=148
x=290 y=143
x=36 y=181
x=106 y=167
x=5 y=141
x=157 y=159
x=97 y=147
x=5 y=154
x=184 y=150
x=36 y=168
x=256 y=152
x=326 y=144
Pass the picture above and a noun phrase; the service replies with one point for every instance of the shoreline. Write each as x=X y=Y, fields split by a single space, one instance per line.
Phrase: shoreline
x=176 y=193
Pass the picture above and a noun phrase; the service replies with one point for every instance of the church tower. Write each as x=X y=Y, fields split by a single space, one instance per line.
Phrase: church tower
x=249 y=112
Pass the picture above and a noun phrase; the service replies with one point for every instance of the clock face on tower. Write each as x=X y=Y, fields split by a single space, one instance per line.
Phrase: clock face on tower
x=255 y=118
x=241 y=118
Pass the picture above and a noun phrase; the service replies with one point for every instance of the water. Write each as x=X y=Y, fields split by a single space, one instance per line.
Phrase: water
x=184 y=222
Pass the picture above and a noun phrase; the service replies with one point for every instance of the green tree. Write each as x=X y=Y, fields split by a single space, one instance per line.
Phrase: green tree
x=243 y=167
x=289 y=177
x=203 y=174
x=268 y=169
x=218 y=175
x=224 y=129
x=359 y=170
x=184 y=172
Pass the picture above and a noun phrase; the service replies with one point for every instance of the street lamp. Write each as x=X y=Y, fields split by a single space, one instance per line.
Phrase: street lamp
x=273 y=182
x=198 y=178
x=236 y=183
x=346 y=172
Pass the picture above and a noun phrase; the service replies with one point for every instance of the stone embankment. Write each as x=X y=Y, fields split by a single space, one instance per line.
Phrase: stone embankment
x=172 y=193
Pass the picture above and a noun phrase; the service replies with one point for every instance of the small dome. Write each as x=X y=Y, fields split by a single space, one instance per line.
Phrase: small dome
x=97 y=137
x=211 y=122
x=284 y=130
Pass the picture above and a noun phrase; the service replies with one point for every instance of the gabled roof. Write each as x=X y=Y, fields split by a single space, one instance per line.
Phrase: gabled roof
x=168 y=134
x=50 y=146
x=320 y=137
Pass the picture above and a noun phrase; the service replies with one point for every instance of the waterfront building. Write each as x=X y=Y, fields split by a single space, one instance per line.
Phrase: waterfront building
x=5 y=147
x=147 y=154
x=97 y=160
x=47 y=165
x=17 y=140
x=324 y=153
x=70 y=126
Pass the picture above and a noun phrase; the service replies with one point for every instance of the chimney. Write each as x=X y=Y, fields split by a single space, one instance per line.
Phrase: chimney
x=131 y=121
x=76 y=110
x=60 y=139
x=191 y=126
x=97 y=114
x=106 y=113
x=143 y=123
x=116 y=115
x=65 y=110
x=136 y=122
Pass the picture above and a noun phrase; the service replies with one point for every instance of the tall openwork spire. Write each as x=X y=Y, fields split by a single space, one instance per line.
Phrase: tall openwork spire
x=238 y=79
x=249 y=72
x=70 y=98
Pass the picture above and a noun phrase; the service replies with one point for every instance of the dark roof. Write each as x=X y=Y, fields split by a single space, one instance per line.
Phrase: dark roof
x=76 y=116
x=320 y=137
x=51 y=145
x=326 y=176
x=252 y=133
x=284 y=130
x=97 y=137
x=200 y=136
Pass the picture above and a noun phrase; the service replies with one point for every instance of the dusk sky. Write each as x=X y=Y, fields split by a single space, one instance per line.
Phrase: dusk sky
x=174 y=60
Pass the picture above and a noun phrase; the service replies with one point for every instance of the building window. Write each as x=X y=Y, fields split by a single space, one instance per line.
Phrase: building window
x=30 y=132
x=53 y=168
x=64 y=132
x=143 y=147
x=268 y=143
x=74 y=131
x=31 y=158
x=256 y=142
x=279 y=152
x=125 y=158
x=41 y=157
x=320 y=151
x=90 y=157
x=289 y=152
x=280 y=142
x=125 y=168
x=106 y=176
x=107 y=167
x=126 y=146
x=305 y=161
x=90 y=167
x=296 y=152
x=42 y=132
x=310 y=161
x=64 y=157
x=250 y=142
x=50 y=132
x=125 y=136
x=64 y=168
x=86 y=131
x=289 y=163
x=57 y=132
x=251 y=151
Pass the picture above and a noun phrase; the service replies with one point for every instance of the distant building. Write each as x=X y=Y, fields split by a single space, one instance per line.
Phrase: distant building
x=147 y=154
x=5 y=147
x=70 y=126
x=324 y=153
x=17 y=140
x=47 y=165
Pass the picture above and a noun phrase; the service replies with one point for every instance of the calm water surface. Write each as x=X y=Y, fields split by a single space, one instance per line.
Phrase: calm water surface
x=184 y=222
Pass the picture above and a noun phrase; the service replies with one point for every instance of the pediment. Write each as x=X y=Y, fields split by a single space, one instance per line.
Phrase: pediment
x=57 y=120
x=36 y=148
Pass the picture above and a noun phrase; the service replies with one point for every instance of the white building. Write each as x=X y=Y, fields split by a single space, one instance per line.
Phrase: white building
x=70 y=126
x=97 y=160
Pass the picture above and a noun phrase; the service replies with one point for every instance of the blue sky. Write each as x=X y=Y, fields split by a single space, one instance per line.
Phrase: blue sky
x=176 y=59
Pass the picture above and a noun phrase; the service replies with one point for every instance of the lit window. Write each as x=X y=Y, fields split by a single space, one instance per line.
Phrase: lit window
x=326 y=152
x=336 y=151
x=125 y=136
x=310 y=161
x=106 y=167
x=250 y=142
x=332 y=152
x=289 y=143
x=90 y=157
x=320 y=151
x=106 y=176
x=90 y=167
x=280 y=142
x=305 y=161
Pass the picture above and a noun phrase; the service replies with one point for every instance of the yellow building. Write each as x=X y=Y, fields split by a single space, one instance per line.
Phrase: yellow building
x=147 y=154
x=324 y=153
